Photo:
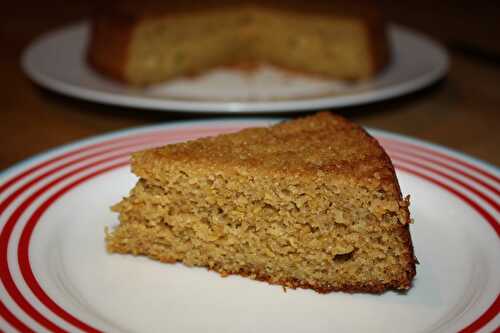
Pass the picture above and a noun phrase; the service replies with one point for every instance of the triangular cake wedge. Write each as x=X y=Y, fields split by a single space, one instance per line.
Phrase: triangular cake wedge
x=310 y=203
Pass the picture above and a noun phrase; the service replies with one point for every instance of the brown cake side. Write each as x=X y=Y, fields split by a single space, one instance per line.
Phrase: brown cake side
x=115 y=48
x=108 y=45
x=311 y=203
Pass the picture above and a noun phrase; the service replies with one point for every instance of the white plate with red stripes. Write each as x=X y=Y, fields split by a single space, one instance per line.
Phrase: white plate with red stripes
x=57 y=277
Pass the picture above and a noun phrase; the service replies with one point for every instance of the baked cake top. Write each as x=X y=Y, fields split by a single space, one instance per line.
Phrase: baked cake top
x=323 y=146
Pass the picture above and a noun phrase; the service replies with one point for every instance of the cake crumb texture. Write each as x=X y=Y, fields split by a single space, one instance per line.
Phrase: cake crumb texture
x=311 y=203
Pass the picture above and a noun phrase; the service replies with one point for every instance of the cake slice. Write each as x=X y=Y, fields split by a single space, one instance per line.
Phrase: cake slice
x=310 y=203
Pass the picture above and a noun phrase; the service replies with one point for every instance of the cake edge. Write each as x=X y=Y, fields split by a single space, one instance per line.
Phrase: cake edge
x=402 y=284
x=108 y=46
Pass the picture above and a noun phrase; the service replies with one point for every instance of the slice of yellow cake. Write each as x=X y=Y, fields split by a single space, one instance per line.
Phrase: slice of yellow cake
x=144 y=42
x=311 y=203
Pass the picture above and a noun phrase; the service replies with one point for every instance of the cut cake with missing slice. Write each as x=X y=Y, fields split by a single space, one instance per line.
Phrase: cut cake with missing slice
x=151 y=41
x=310 y=203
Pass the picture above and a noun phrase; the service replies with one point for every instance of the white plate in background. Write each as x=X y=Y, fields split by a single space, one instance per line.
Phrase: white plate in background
x=56 y=60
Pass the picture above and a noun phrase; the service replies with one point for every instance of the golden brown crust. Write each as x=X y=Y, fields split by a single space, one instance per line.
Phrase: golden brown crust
x=353 y=155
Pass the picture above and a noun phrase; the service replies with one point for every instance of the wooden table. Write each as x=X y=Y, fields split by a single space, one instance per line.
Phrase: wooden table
x=461 y=111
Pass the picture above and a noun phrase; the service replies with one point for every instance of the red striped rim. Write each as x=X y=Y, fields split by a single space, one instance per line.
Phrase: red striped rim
x=6 y=202
x=23 y=251
x=198 y=131
x=394 y=149
x=433 y=152
x=493 y=310
x=8 y=227
x=58 y=158
x=455 y=180
x=5 y=275
x=13 y=320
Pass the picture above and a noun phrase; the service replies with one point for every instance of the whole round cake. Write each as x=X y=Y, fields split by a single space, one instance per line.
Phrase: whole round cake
x=145 y=42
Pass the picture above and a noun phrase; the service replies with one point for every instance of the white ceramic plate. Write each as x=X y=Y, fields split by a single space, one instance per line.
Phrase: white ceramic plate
x=57 y=61
x=56 y=275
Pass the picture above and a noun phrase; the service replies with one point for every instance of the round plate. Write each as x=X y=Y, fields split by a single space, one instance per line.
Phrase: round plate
x=57 y=61
x=56 y=275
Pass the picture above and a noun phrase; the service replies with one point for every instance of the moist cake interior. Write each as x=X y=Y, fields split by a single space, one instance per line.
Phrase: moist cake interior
x=309 y=203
